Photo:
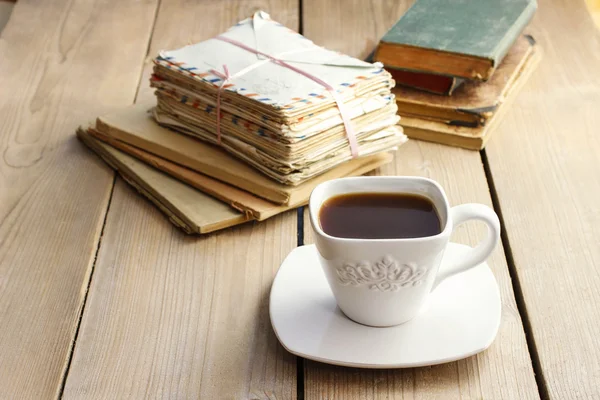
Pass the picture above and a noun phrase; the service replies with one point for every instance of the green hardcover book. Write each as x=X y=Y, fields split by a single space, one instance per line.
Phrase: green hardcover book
x=461 y=38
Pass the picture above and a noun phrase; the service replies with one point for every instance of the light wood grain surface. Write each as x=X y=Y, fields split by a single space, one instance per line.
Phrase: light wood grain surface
x=502 y=372
x=544 y=160
x=61 y=63
x=170 y=316
x=174 y=317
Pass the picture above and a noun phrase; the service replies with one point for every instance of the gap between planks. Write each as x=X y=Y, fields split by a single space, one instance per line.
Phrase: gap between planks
x=139 y=84
x=300 y=360
x=99 y=244
x=516 y=284
x=300 y=235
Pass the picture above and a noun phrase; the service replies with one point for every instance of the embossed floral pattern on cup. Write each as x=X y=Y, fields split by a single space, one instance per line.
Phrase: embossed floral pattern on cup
x=384 y=275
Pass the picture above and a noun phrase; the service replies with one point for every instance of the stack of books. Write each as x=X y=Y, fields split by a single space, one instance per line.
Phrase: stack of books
x=246 y=124
x=457 y=66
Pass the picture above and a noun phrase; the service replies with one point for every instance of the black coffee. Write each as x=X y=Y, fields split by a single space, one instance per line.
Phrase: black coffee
x=379 y=216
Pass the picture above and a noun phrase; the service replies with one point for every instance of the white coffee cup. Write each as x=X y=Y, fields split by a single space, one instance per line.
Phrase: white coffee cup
x=385 y=282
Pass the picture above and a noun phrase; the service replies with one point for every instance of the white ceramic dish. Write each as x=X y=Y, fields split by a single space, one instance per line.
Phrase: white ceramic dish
x=460 y=319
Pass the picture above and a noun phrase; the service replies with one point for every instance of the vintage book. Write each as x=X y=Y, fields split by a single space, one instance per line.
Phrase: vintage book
x=473 y=103
x=432 y=83
x=467 y=137
x=252 y=206
x=187 y=208
x=134 y=125
x=466 y=38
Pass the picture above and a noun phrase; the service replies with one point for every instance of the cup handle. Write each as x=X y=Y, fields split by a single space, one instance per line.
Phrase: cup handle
x=482 y=251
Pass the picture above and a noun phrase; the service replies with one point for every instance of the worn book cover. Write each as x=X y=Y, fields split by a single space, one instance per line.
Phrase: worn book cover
x=461 y=38
x=473 y=103
x=474 y=138
x=187 y=208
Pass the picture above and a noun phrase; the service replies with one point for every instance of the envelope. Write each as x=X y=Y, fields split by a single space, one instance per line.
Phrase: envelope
x=261 y=80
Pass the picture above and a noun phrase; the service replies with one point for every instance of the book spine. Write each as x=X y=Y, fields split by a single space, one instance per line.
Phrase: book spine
x=513 y=33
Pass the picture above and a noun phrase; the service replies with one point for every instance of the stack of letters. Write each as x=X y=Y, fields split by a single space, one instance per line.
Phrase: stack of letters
x=254 y=118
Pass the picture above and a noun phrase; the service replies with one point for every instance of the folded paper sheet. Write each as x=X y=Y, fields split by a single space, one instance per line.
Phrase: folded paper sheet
x=252 y=206
x=195 y=202
x=187 y=208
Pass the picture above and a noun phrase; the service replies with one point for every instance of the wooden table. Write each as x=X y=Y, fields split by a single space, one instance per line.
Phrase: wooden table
x=100 y=297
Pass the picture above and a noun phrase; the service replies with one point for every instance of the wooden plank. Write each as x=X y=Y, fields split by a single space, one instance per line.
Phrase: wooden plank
x=544 y=164
x=504 y=370
x=177 y=317
x=62 y=63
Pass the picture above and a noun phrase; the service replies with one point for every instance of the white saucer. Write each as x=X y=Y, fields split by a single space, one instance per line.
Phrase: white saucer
x=461 y=318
